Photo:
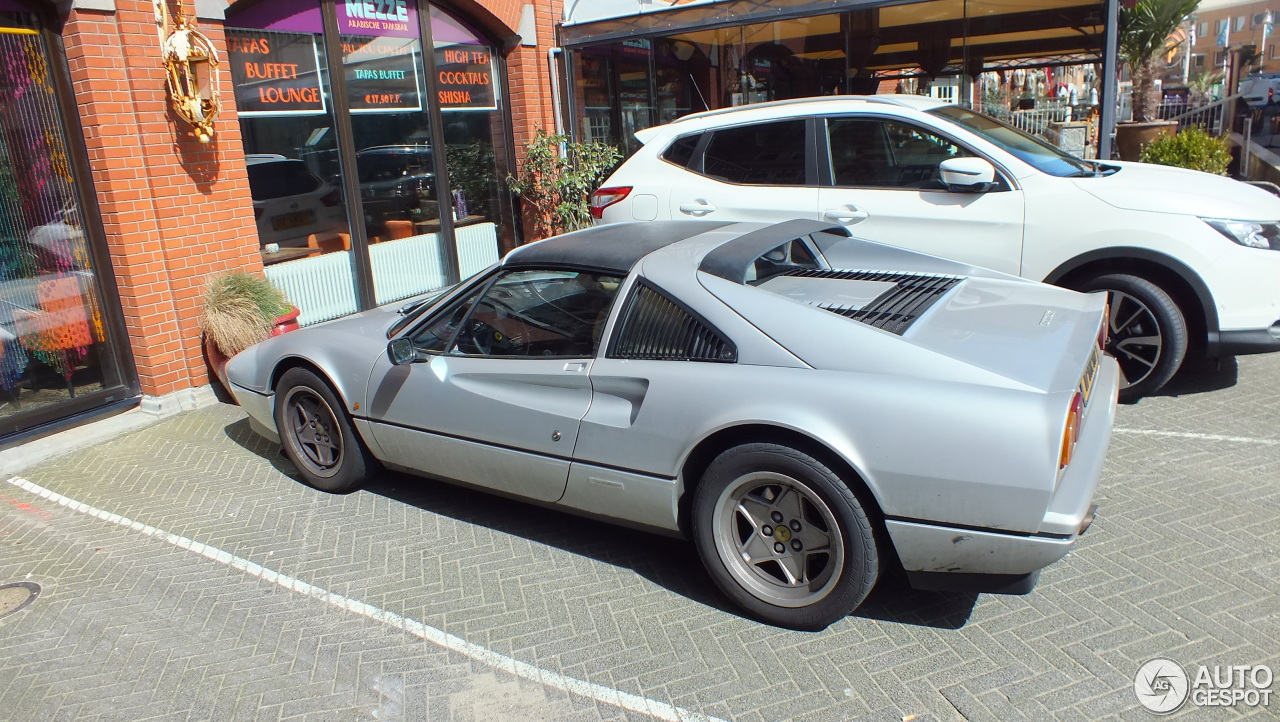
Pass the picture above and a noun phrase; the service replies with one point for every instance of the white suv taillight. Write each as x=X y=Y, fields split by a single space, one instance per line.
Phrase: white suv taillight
x=606 y=197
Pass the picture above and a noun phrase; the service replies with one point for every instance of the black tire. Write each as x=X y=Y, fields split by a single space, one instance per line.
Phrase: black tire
x=1148 y=334
x=317 y=436
x=825 y=536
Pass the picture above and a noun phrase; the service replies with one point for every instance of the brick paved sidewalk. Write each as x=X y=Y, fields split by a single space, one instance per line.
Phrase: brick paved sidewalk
x=294 y=604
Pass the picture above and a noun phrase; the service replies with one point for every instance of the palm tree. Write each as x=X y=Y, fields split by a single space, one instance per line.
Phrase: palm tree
x=1145 y=36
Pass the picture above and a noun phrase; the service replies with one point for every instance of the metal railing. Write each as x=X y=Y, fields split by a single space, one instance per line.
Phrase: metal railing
x=1208 y=116
x=1035 y=121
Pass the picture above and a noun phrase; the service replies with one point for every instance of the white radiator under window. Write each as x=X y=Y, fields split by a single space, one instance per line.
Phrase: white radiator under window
x=323 y=286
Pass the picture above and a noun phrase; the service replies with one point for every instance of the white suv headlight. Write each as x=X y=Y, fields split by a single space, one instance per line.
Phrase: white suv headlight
x=1247 y=233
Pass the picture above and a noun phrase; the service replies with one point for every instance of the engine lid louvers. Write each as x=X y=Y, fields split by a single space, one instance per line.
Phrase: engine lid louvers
x=894 y=310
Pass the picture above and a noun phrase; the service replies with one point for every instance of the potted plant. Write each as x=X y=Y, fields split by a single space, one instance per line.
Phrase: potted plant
x=556 y=181
x=1192 y=148
x=1145 y=35
x=241 y=309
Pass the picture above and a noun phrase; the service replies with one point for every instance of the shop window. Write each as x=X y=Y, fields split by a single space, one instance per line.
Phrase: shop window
x=400 y=227
x=275 y=54
x=475 y=139
x=57 y=355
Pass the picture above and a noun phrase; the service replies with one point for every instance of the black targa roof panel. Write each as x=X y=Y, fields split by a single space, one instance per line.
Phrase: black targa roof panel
x=615 y=247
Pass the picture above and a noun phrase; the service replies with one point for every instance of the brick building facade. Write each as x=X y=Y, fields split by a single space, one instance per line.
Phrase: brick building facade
x=1223 y=28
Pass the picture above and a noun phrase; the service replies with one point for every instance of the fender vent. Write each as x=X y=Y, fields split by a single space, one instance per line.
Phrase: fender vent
x=656 y=328
x=894 y=310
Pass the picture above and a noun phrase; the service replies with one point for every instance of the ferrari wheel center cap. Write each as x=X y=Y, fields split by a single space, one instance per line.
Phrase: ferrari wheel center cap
x=782 y=533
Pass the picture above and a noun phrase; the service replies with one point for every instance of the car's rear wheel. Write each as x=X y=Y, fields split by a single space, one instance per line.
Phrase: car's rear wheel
x=783 y=536
x=317 y=434
x=1148 y=333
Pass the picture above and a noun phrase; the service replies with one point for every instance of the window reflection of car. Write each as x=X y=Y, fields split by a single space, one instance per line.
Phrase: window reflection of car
x=290 y=202
x=58 y=245
x=397 y=182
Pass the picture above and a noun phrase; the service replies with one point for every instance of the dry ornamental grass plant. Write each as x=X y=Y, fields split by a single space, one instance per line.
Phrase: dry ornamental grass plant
x=240 y=309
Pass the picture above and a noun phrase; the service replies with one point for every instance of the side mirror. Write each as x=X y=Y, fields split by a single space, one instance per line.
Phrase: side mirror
x=401 y=351
x=967 y=175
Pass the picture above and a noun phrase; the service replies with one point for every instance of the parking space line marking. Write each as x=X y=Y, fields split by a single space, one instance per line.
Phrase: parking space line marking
x=524 y=670
x=1203 y=437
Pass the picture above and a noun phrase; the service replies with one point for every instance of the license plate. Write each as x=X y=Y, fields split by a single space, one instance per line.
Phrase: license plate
x=293 y=220
x=1085 y=387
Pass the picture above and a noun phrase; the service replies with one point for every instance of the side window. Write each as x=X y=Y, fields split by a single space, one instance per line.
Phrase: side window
x=655 y=328
x=539 y=313
x=681 y=152
x=762 y=154
x=876 y=153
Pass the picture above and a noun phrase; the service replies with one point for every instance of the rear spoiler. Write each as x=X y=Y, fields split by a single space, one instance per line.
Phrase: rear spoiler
x=644 y=135
x=732 y=259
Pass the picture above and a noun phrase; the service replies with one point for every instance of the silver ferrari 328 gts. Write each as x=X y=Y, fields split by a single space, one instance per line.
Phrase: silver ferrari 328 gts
x=808 y=408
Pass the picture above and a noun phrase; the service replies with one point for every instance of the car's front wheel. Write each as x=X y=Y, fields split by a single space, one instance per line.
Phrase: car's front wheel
x=1148 y=334
x=783 y=536
x=317 y=435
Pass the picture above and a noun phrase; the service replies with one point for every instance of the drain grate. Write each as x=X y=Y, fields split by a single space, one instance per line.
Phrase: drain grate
x=16 y=596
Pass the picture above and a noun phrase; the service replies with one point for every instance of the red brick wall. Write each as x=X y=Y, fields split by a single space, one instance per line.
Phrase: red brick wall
x=174 y=210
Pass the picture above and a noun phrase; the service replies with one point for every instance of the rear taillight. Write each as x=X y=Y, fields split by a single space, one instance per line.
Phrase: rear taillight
x=606 y=197
x=332 y=198
x=1071 y=430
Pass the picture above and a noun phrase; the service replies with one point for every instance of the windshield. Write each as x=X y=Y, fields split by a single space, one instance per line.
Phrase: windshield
x=1027 y=148
x=414 y=309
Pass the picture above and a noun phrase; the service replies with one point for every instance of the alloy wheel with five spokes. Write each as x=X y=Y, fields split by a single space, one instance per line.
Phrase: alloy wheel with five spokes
x=778 y=539
x=784 y=536
x=317 y=434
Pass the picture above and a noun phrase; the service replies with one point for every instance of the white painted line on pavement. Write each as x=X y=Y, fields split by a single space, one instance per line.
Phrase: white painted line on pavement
x=1202 y=437
x=608 y=695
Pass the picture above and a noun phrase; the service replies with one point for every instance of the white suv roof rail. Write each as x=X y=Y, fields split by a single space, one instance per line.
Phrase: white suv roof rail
x=886 y=99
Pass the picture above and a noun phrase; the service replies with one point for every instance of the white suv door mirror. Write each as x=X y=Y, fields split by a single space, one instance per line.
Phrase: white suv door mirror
x=967 y=175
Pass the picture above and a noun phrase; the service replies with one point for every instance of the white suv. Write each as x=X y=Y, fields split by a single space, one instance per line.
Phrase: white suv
x=1190 y=259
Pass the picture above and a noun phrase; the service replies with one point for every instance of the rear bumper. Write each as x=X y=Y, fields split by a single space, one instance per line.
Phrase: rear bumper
x=997 y=559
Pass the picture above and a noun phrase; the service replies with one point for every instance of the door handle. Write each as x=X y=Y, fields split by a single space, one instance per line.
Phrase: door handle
x=697 y=208
x=847 y=215
x=576 y=367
